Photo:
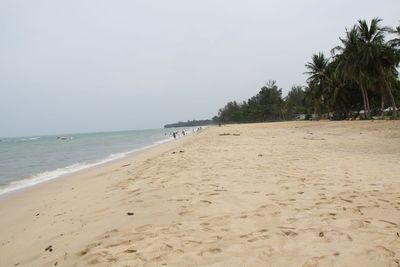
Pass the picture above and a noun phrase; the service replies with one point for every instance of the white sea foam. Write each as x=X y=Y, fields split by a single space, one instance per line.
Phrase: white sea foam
x=30 y=139
x=50 y=175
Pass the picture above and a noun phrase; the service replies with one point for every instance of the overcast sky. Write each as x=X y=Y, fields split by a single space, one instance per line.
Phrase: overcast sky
x=94 y=65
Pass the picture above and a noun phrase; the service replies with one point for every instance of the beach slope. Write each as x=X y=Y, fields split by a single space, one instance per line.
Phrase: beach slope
x=276 y=194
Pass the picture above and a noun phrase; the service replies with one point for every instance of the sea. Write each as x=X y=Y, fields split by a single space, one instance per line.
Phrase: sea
x=27 y=161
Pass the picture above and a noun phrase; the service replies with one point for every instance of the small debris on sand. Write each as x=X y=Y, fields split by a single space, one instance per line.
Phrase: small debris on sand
x=223 y=134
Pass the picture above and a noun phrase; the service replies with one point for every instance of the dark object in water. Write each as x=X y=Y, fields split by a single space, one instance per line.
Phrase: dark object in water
x=129 y=213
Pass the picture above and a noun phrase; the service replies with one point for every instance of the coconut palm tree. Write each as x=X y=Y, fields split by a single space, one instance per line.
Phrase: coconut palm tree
x=393 y=55
x=349 y=66
x=376 y=58
x=317 y=68
x=318 y=80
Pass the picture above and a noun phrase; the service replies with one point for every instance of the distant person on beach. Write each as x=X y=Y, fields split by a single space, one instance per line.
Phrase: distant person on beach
x=174 y=135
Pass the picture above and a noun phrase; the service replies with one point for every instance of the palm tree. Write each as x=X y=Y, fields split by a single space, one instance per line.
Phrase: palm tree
x=392 y=54
x=349 y=66
x=376 y=58
x=365 y=58
x=317 y=67
x=318 y=80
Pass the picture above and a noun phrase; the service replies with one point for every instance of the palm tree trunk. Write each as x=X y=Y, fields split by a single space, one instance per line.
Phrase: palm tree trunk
x=365 y=97
x=389 y=92
x=364 y=102
x=368 y=107
x=382 y=107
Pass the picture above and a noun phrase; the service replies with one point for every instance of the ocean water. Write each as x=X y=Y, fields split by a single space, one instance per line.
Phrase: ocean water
x=26 y=161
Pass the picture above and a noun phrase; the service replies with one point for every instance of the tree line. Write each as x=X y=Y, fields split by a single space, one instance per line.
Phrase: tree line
x=359 y=79
x=189 y=123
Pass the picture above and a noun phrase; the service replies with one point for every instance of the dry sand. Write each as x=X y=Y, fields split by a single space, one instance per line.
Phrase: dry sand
x=278 y=194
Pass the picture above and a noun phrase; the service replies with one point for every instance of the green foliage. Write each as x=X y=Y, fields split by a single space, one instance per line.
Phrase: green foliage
x=267 y=105
x=369 y=63
x=295 y=102
x=361 y=75
x=192 y=123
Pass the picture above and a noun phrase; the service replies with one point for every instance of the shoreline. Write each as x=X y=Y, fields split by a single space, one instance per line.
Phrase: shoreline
x=37 y=179
x=98 y=163
x=285 y=194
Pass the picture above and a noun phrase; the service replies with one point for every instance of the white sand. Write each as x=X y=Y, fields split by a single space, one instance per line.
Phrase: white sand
x=278 y=194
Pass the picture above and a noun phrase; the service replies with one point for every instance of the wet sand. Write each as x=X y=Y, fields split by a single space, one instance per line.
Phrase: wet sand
x=277 y=194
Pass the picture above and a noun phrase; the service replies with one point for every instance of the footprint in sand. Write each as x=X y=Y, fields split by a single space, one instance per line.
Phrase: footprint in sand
x=213 y=239
x=255 y=236
x=290 y=233
x=334 y=235
x=129 y=250
x=144 y=227
x=381 y=252
x=313 y=262
x=192 y=243
x=184 y=212
x=210 y=251
x=390 y=223
x=89 y=248
x=179 y=199
x=109 y=233
x=121 y=243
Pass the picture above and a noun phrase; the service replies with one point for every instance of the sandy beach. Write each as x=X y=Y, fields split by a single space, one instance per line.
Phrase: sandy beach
x=274 y=194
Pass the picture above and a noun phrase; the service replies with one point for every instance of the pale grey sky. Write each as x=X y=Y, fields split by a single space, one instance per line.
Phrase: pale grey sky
x=95 y=65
